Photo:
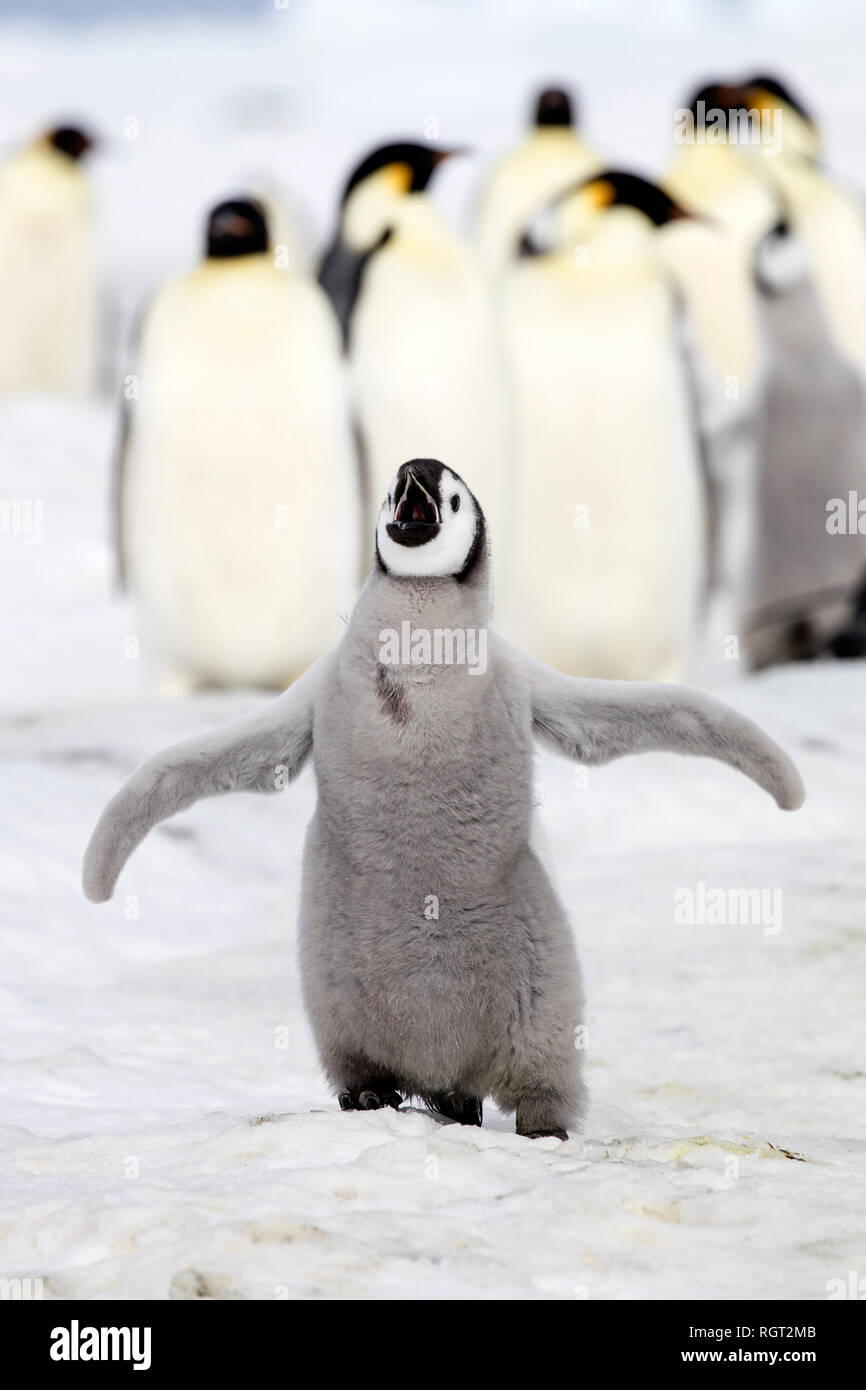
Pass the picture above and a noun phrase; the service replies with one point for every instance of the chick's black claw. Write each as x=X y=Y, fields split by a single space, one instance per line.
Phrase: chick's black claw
x=369 y=1098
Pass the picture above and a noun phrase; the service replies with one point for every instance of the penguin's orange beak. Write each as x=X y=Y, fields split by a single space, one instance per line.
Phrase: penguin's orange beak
x=441 y=155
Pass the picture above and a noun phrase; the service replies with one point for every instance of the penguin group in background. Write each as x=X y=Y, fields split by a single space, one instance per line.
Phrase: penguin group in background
x=237 y=489
x=829 y=218
x=436 y=958
x=48 y=290
x=612 y=537
x=747 y=417
x=425 y=355
x=552 y=156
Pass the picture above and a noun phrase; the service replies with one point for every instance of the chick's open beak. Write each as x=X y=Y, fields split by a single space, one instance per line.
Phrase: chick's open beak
x=417 y=516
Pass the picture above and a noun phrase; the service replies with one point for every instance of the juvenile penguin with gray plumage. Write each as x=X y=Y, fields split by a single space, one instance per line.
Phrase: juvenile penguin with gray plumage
x=805 y=595
x=436 y=958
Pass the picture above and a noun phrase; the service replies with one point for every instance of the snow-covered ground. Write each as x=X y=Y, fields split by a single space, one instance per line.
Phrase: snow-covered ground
x=164 y=1131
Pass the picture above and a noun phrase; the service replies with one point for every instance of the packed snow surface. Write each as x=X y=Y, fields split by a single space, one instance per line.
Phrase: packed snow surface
x=165 y=1131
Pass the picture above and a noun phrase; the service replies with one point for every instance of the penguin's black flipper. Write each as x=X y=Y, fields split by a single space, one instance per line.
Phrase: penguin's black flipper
x=118 y=482
x=341 y=273
x=129 y=392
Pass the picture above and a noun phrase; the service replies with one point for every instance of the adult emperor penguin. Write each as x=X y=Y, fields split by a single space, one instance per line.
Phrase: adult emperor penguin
x=426 y=358
x=436 y=958
x=711 y=174
x=610 y=546
x=237 y=442
x=550 y=157
x=735 y=204
x=48 y=295
x=828 y=216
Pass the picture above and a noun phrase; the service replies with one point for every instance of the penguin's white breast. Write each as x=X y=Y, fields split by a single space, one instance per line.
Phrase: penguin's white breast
x=47 y=286
x=428 y=372
x=241 y=509
x=610 y=505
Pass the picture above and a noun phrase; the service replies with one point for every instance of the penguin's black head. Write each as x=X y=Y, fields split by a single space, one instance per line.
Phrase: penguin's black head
x=430 y=524
x=70 y=140
x=406 y=166
x=717 y=96
x=618 y=188
x=553 y=107
x=372 y=204
x=762 y=82
x=374 y=197
x=236 y=228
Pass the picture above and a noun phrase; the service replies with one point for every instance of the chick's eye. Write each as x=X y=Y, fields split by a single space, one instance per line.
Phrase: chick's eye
x=455 y=503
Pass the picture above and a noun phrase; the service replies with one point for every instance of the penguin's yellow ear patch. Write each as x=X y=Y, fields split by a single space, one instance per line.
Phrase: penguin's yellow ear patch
x=399 y=177
x=600 y=193
x=761 y=98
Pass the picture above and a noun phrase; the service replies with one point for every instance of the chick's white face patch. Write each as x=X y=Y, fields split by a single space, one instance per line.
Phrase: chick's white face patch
x=445 y=553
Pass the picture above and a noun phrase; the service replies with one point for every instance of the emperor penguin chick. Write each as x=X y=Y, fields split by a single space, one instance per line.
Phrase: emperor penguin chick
x=550 y=157
x=48 y=293
x=436 y=958
x=236 y=445
x=806 y=590
x=426 y=359
x=610 y=545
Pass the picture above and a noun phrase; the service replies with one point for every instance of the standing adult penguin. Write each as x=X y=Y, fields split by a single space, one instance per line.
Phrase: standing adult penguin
x=48 y=294
x=611 y=540
x=710 y=173
x=829 y=217
x=550 y=157
x=806 y=593
x=236 y=442
x=426 y=359
x=436 y=958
